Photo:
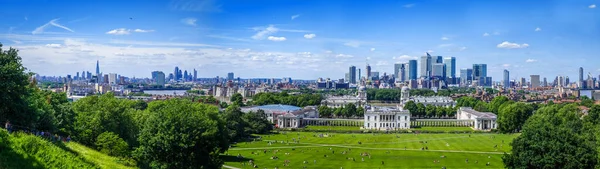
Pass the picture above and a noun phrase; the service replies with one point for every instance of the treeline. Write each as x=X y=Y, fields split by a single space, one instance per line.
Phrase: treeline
x=348 y=111
x=300 y=100
x=175 y=133
x=394 y=94
x=420 y=110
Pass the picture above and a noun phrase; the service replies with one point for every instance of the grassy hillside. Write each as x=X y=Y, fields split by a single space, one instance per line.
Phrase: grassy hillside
x=24 y=151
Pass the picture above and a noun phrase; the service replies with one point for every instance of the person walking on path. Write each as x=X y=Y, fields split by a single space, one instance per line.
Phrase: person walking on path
x=7 y=126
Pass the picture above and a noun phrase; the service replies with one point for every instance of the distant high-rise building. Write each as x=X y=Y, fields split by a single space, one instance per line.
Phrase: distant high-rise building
x=412 y=70
x=560 y=82
x=230 y=76
x=77 y=76
x=171 y=76
x=179 y=75
x=545 y=83
x=439 y=59
x=506 y=80
x=374 y=75
x=368 y=72
x=437 y=70
x=400 y=70
x=450 y=64
x=535 y=81
x=97 y=67
x=195 y=75
x=105 y=79
x=466 y=77
x=567 y=82
x=185 y=76
x=352 y=74
x=397 y=70
x=359 y=75
x=158 y=77
x=176 y=73
x=580 y=83
x=404 y=72
x=112 y=78
x=426 y=66
x=480 y=74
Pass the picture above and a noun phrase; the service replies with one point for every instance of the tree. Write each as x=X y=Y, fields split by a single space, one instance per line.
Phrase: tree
x=466 y=102
x=14 y=90
x=325 y=111
x=181 y=134
x=440 y=111
x=512 y=117
x=237 y=99
x=553 y=137
x=496 y=103
x=111 y=144
x=257 y=122
x=586 y=101
x=420 y=109
x=430 y=110
x=349 y=110
x=481 y=106
x=411 y=106
x=235 y=123
x=360 y=111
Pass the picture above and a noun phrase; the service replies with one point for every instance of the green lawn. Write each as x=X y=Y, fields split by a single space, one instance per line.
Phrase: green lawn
x=98 y=158
x=331 y=128
x=449 y=129
x=395 y=150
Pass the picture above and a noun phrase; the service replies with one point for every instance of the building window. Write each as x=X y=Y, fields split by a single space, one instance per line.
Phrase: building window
x=375 y=118
x=368 y=125
x=405 y=117
x=405 y=125
x=368 y=118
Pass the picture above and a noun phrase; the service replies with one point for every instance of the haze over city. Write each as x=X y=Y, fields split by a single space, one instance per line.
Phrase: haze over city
x=301 y=39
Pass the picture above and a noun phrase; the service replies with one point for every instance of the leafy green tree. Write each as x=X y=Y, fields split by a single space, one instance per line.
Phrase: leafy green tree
x=237 y=99
x=181 y=134
x=421 y=109
x=360 y=111
x=440 y=111
x=324 y=111
x=553 y=137
x=481 y=106
x=430 y=110
x=235 y=123
x=257 y=122
x=111 y=144
x=495 y=104
x=338 y=112
x=223 y=105
x=512 y=117
x=14 y=90
x=466 y=101
x=349 y=110
x=586 y=101
x=411 y=106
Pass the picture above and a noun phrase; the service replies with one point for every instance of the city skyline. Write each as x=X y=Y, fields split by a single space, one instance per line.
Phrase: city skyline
x=304 y=41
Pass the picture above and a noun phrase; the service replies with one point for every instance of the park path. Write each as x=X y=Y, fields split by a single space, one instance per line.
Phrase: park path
x=230 y=167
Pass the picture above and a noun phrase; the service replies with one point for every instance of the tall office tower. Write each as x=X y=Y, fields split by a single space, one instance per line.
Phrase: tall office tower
x=195 y=75
x=112 y=78
x=545 y=83
x=401 y=76
x=179 y=74
x=437 y=70
x=397 y=70
x=230 y=76
x=450 y=64
x=159 y=78
x=77 y=76
x=506 y=80
x=171 y=76
x=97 y=67
x=105 y=79
x=580 y=83
x=466 y=76
x=412 y=70
x=185 y=75
x=359 y=77
x=352 y=74
x=406 y=72
x=347 y=77
x=176 y=73
x=523 y=82
x=567 y=81
x=480 y=74
x=368 y=72
x=535 y=81
x=426 y=66
x=560 y=82
x=439 y=59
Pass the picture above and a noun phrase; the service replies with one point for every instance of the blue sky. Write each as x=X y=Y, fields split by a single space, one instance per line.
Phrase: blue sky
x=304 y=39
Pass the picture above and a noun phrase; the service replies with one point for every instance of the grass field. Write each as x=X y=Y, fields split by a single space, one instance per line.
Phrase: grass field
x=336 y=128
x=98 y=158
x=394 y=150
x=449 y=129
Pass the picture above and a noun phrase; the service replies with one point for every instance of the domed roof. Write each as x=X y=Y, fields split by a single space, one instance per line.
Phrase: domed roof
x=405 y=88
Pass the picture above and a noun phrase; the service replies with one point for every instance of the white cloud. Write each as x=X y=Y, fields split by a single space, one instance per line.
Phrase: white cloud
x=310 y=36
x=382 y=63
x=372 y=49
x=17 y=42
x=262 y=32
x=53 y=45
x=462 y=48
x=143 y=31
x=506 y=65
x=276 y=39
x=403 y=58
x=119 y=31
x=538 y=29
x=52 y=22
x=486 y=34
x=592 y=6
x=195 y=5
x=189 y=21
x=445 y=38
x=408 y=5
x=353 y=44
x=295 y=16
x=343 y=56
x=509 y=45
x=530 y=60
x=430 y=51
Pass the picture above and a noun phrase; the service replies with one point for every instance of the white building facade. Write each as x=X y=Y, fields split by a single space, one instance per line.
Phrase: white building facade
x=386 y=118
x=481 y=120
x=340 y=101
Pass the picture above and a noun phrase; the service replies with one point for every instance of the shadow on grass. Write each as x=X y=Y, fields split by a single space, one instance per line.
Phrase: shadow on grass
x=230 y=158
x=12 y=159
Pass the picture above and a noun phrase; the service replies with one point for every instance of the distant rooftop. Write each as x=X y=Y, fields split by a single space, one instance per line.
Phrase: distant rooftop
x=277 y=107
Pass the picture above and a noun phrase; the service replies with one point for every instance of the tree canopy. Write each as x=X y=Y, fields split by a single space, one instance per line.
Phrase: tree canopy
x=512 y=117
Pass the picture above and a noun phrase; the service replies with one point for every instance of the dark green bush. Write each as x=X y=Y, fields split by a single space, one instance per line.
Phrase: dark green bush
x=111 y=144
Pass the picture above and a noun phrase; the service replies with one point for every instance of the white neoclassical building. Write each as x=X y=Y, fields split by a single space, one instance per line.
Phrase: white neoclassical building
x=387 y=118
x=425 y=100
x=340 y=101
x=480 y=120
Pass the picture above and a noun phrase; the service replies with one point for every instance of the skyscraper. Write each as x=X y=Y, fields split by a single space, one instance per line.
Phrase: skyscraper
x=412 y=69
x=401 y=70
x=158 y=77
x=466 y=76
x=195 y=75
x=176 y=73
x=397 y=70
x=560 y=82
x=230 y=76
x=368 y=72
x=545 y=83
x=535 y=81
x=580 y=83
x=506 y=79
x=426 y=66
x=185 y=76
x=480 y=74
x=97 y=67
x=359 y=75
x=450 y=64
x=439 y=59
x=352 y=74
x=112 y=78
x=437 y=70
x=567 y=81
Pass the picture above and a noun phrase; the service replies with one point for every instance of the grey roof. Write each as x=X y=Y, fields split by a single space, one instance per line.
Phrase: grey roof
x=482 y=115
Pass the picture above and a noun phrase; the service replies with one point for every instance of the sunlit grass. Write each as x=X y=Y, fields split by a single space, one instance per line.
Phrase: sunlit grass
x=100 y=159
